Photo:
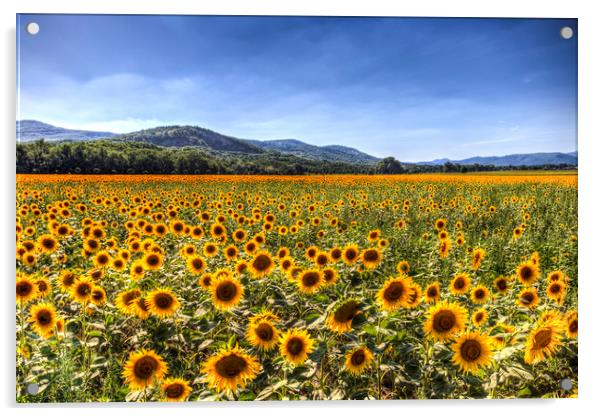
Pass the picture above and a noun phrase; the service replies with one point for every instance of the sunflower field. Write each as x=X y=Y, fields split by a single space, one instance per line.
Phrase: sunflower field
x=175 y=288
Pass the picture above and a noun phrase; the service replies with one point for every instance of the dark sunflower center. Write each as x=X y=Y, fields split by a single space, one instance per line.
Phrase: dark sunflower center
x=371 y=255
x=322 y=259
x=444 y=320
x=231 y=366
x=264 y=331
x=42 y=286
x=295 y=346
x=231 y=252
x=262 y=262
x=350 y=255
x=328 y=275
x=97 y=295
x=44 y=317
x=470 y=350
x=459 y=283
x=163 y=300
x=501 y=284
x=145 y=367
x=84 y=289
x=174 y=391
x=479 y=294
x=226 y=291
x=358 y=357
x=197 y=264
x=573 y=326
x=211 y=249
x=526 y=273
x=346 y=312
x=394 y=291
x=527 y=297
x=102 y=259
x=24 y=288
x=310 y=279
x=48 y=243
x=335 y=254
x=129 y=297
x=542 y=338
x=152 y=260
x=555 y=288
x=432 y=292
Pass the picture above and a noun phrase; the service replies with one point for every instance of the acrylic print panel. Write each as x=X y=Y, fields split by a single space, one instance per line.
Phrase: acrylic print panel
x=299 y=208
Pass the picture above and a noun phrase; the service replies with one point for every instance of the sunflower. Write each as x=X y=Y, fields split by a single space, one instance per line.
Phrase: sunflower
x=479 y=317
x=102 y=259
x=125 y=299
x=43 y=317
x=261 y=265
x=403 y=267
x=358 y=360
x=310 y=281
x=556 y=291
x=444 y=248
x=218 y=231
x=440 y=224
x=226 y=292
x=527 y=273
x=471 y=351
x=26 y=289
x=394 y=293
x=47 y=243
x=556 y=276
x=43 y=285
x=415 y=295
x=341 y=319
x=543 y=341
x=137 y=270
x=139 y=308
x=444 y=320
x=175 y=390
x=460 y=284
x=480 y=295
x=152 y=261
x=230 y=369
x=322 y=259
x=143 y=368
x=162 y=302
x=330 y=276
x=371 y=258
x=296 y=345
x=572 y=324
x=350 y=254
x=432 y=294
x=81 y=291
x=262 y=334
x=478 y=255
x=239 y=235
x=196 y=265
x=501 y=284
x=66 y=280
x=98 y=296
x=528 y=298
x=231 y=252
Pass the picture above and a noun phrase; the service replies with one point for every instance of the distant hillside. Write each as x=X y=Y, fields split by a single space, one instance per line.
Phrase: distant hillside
x=331 y=153
x=185 y=136
x=528 y=159
x=28 y=130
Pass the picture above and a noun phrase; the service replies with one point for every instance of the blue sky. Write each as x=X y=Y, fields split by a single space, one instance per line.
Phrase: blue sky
x=413 y=88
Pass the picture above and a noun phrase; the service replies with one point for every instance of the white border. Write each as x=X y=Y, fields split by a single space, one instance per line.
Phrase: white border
x=590 y=202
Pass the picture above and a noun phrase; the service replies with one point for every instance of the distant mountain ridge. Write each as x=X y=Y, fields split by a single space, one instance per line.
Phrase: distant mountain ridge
x=526 y=159
x=217 y=143
x=28 y=130
x=184 y=136
x=334 y=153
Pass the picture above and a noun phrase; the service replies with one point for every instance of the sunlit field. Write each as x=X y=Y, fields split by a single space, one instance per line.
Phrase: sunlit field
x=175 y=288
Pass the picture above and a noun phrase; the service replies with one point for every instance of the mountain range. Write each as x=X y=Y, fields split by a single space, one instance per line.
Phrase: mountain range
x=528 y=159
x=217 y=143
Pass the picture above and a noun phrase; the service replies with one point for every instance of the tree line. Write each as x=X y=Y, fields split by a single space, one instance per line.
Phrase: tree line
x=114 y=157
